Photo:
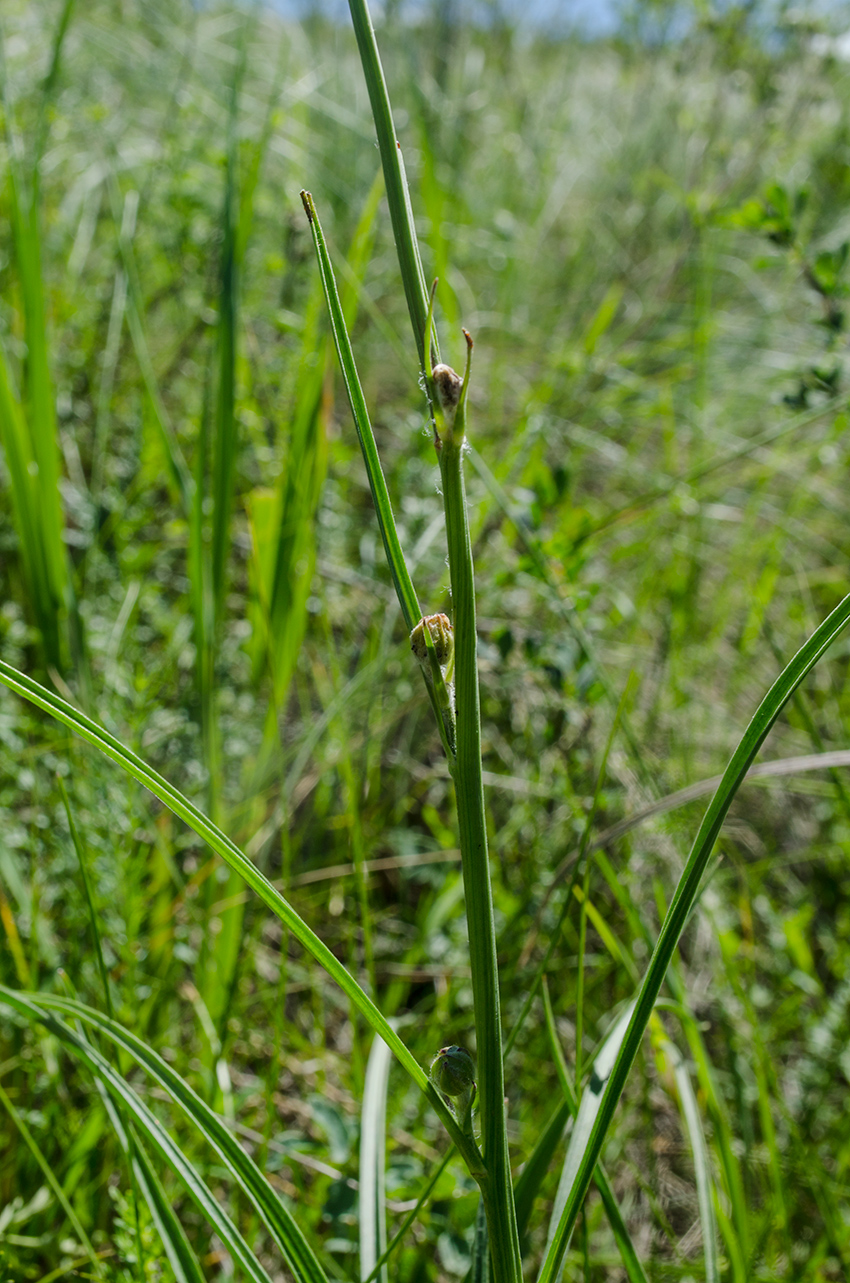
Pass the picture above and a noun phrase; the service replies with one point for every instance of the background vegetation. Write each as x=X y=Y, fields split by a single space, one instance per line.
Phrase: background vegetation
x=647 y=238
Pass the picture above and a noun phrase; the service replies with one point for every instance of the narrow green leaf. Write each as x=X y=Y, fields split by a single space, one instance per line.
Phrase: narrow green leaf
x=677 y=915
x=30 y=1005
x=587 y=1111
x=50 y=1176
x=398 y=195
x=274 y=1213
x=386 y=521
x=181 y=1258
x=538 y=1163
x=702 y=1167
x=230 y=853
x=373 y=1136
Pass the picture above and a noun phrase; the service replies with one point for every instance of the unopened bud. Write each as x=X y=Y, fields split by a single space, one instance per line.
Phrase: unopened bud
x=453 y=1071
x=442 y=635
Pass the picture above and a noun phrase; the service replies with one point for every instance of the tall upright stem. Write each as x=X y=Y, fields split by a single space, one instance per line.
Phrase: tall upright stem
x=466 y=770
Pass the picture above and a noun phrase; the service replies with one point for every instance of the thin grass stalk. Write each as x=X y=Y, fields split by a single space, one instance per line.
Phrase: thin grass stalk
x=398 y=194
x=403 y=584
x=225 y=439
x=683 y=902
x=469 y=789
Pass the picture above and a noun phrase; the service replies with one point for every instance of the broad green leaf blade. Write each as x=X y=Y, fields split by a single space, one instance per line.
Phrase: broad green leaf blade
x=230 y=853
x=677 y=915
x=151 y=1128
x=373 y=1138
x=244 y=1170
x=386 y=521
x=702 y=1167
x=587 y=1111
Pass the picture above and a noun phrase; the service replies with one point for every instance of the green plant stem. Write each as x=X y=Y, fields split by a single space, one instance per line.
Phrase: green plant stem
x=398 y=196
x=496 y=1191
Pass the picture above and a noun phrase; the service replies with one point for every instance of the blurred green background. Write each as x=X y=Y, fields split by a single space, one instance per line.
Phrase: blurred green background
x=646 y=233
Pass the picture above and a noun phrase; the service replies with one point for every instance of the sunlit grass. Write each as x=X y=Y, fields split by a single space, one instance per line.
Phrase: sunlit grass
x=658 y=488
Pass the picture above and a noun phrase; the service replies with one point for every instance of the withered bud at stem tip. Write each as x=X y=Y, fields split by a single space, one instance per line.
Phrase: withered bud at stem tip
x=449 y=386
x=307 y=201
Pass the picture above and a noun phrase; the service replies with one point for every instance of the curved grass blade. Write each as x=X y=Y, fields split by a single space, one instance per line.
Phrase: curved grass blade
x=373 y=1136
x=181 y=1258
x=702 y=1167
x=244 y=1170
x=230 y=853
x=151 y=1128
x=677 y=915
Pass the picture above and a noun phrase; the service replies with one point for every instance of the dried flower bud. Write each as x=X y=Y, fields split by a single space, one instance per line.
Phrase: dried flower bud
x=442 y=635
x=449 y=386
x=453 y=1071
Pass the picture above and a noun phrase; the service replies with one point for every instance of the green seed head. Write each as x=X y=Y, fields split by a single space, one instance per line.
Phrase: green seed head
x=453 y=1071
x=442 y=635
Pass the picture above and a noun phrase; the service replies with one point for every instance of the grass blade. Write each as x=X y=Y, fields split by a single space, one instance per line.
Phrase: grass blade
x=17 y=447
x=398 y=195
x=702 y=1167
x=183 y=1261
x=395 y=557
x=373 y=1137
x=587 y=1111
x=230 y=853
x=244 y=1170
x=677 y=915
x=628 y=1253
x=402 y=582
x=538 y=1163
x=150 y=1127
x=411 y=1216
